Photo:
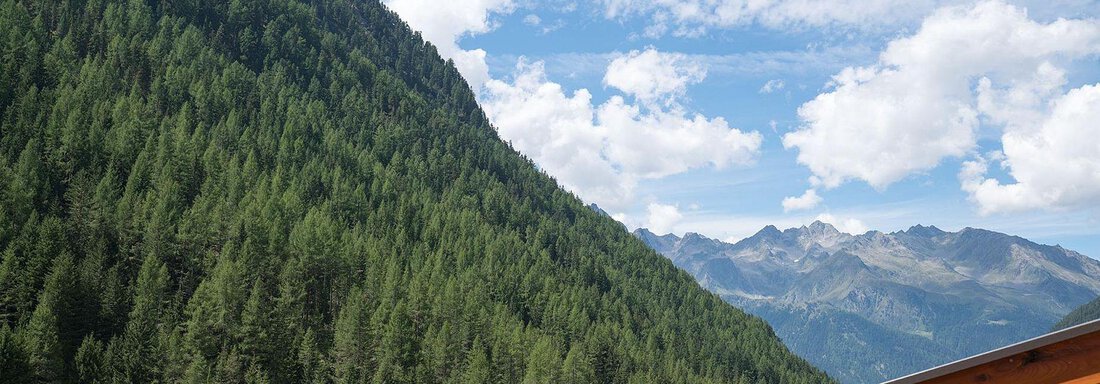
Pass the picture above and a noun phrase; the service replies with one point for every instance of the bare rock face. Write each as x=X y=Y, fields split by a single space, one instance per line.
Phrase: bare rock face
x=874 y=306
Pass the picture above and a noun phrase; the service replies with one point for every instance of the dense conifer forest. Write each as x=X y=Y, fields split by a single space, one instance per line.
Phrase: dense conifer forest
x=275 y=191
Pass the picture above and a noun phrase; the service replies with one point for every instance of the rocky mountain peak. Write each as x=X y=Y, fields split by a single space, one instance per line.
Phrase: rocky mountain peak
x=821 y=227
x=923 y=231
x=597 y=209
x=822 y=234
x=769 y=231
x=694 y=237
x=660 y=243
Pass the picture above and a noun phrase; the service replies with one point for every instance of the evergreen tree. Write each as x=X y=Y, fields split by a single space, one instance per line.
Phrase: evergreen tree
x=477 y=365
x=314 y=369
x=43 y=334
x=136 y=355
x=89 y=359
x=350 y=362
x=576 y=368
x=14 y=363
x=543 y=364
x=395 y=352
x=254 y=332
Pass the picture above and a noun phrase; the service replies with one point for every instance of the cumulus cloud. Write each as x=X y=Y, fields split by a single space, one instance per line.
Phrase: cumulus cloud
x=846 y=225
x=445 y=22
x=917 y=105
x=557 y=131
x=1056 y=166
x=773 y=86
x=651 y=75
x=656 y=143
x=601 y=151
x=662 y=218
x=808 y=200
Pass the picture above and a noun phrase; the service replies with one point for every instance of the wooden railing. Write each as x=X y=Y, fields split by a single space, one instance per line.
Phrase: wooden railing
x=1069 y=356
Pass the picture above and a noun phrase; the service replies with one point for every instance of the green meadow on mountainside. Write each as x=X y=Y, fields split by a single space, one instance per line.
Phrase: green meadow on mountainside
x=280 y=191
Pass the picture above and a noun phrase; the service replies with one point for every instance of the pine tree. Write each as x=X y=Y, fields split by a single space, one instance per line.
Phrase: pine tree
x=288 y=321
x=137 y=356
x=350 y=363
x=14 y=362
x=43 y=334
x=197 y=372
x=314 y=369
x=543 y=363
x=254 y=335
x=437 y=351
x=576 y=368
x=396 y=348
x=89 y=359
x=477 y=369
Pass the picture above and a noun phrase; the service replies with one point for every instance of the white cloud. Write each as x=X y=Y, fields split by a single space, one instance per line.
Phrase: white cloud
x=652 y=76
x=808 y=200
x=772 y=86
x=1056 y=166
x=916 y=106
x=879 y=126
x=1021 y=104
x=621 y=218
x=551 y=27
x=557 y=131
x=846 y=225
x=532 y=20
x=695 y=17
x=445 y=22
x=656 y=143
x=601 y=152
x=801 y=63
x=662 y=218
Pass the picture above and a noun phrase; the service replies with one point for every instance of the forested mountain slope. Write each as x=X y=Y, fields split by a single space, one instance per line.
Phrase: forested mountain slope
x=281 y=191
x=1085 y=313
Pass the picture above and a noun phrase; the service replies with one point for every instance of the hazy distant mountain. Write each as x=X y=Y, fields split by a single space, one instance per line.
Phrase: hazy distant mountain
x=879 y=305
x=597 y=209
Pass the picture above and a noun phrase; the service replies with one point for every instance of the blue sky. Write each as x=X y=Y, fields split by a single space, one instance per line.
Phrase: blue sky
x=704 y=116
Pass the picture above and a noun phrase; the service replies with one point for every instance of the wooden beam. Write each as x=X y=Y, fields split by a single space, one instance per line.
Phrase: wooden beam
x=1070 y=356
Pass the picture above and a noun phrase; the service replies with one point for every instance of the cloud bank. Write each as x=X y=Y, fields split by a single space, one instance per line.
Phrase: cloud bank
x=601 y=151
x=929 y=93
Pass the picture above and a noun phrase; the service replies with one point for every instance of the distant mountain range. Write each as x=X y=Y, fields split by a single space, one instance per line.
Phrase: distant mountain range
x=875 y=306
